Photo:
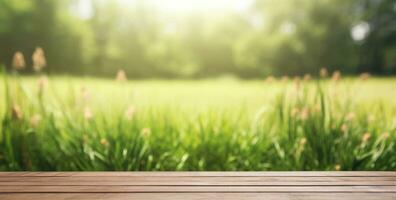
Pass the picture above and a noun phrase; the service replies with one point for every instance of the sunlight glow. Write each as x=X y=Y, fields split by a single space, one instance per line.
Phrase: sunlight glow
x=83 y=8
x=188 y=6
x=360 y=31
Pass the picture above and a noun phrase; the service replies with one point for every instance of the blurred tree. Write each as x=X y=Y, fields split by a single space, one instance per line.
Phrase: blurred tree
x=104 y=23
x=378 y=52
x=26 y=24
x=271 y=37
x=300 y=36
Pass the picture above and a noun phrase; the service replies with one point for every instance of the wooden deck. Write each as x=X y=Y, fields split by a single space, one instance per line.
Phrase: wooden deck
x=198 y=185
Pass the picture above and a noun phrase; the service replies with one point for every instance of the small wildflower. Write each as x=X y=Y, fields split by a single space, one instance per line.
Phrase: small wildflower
x=130 y=112
x=336 y=76
x=18 y=62
x=364 y=76
x=146 y=132
x=121 y=76
x=323 y=72
x=35 y=120
x=16 y=112
x=88 y=113
x=104 y=142
x=366 y=137
x=337 y=167
x=307 y=77
x=39 y=61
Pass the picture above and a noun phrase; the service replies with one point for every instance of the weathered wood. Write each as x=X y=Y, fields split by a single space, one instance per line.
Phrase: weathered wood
x=185 y=181
x=198 y=196
x=195 y=179
x=125 y=183
x=189 y=189
x=198 y=185
x=201 y=174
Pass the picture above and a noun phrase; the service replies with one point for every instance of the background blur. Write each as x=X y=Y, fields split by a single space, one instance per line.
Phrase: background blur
x=201 y=39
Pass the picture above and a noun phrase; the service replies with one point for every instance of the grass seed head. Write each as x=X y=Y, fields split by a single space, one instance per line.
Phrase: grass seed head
x=270 y=79
x=350 y=116
x=304 y=113
x=84 y=96
x=88 y=115
x=371 y=118
x=307 y=77
x=364 y=76
x=323 y=72
x=35 y=120
x=121 y=76
x=42 y=83
x=294 y=112
x=130 y=112
x=297 y=81
x=344 y=128
x=366 y=137
x=317 y=108
x=85 y=138
x=385 y=135
x=39 y=60
x=18 y=62
x=336 y=76
x=146 y=132
x=16 y=112
x=104 y=142
x=303 y=141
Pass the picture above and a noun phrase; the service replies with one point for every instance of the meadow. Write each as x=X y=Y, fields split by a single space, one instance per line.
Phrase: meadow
x=67 y=123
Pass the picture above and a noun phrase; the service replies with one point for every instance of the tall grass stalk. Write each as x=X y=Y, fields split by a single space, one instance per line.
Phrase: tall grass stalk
x=305 y=126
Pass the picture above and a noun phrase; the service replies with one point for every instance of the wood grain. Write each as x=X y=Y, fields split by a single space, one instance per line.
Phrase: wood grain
x=198 y=185
x=202 y=174
x=198 y=196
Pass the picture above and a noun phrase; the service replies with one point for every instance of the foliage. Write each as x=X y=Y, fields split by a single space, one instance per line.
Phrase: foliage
x=93 y=124
x=268 y=38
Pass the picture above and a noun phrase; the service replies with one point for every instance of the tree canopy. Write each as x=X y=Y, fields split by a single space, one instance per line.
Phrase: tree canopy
x=266 y=37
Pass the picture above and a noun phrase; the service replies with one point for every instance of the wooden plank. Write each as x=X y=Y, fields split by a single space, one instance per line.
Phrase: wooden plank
x=198 y=196
x=194 y=179
x=193 y=189
x=202 y=183
x=198 y=185
x=201 y=174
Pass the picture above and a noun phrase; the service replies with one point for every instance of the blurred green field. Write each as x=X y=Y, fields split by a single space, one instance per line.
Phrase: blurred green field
x=65 y=123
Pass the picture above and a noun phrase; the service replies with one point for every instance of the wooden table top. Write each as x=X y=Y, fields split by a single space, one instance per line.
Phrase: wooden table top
x=198 y=185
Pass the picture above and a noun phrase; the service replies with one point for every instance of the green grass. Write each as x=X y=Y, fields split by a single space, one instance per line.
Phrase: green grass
x=198 y=125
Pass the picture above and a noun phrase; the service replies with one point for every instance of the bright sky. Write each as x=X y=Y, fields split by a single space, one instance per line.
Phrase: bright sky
x=84 y=7
x=186 y=6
